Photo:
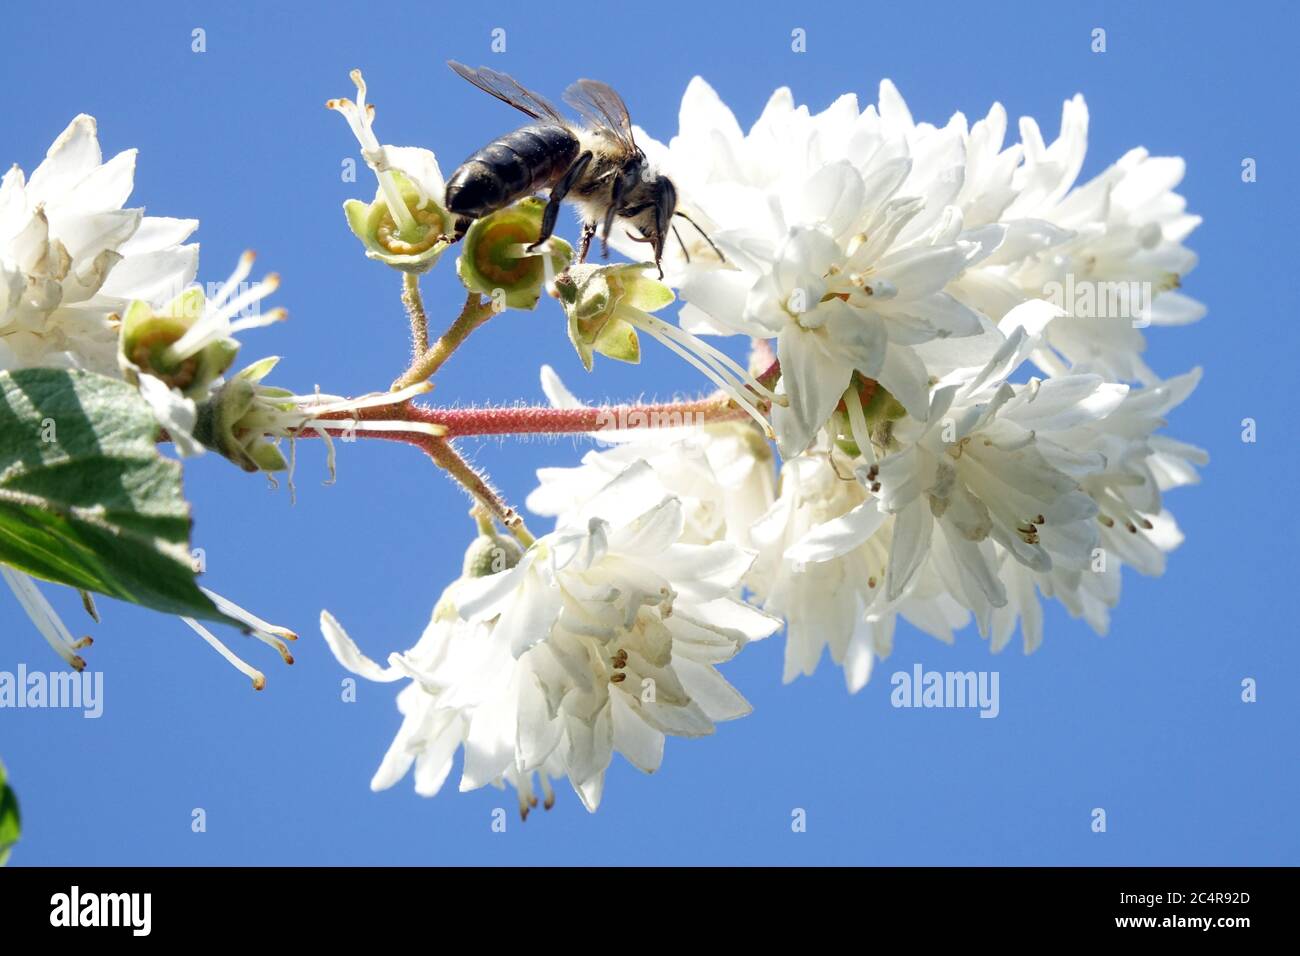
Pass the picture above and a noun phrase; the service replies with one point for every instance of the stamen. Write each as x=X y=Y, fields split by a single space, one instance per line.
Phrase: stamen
x=222 y=310
x=231 y=609
x=361 y=117
x=713 y=376
x=45 y=618
x=858 y=426
x=372 y=400
x=357 y=425
x=727 y=363
x=252 y=673
x=242 y=270
x=331 y=457
x=1119 y=507
x=293 y=467
x=215 y=322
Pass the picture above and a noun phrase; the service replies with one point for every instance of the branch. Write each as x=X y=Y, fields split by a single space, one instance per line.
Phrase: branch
x=524 y=420
x=477 y=310
x=544 y=420
x=439 y=451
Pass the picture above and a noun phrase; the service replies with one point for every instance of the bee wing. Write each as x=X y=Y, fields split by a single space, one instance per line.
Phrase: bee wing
x=602 y=107
x=509 y=90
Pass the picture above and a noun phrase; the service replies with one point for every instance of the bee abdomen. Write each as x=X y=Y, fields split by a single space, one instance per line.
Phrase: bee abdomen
x=515 y=165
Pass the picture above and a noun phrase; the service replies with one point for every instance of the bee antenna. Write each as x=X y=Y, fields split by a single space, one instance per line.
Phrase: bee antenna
x=701 y=232
x=686 y=252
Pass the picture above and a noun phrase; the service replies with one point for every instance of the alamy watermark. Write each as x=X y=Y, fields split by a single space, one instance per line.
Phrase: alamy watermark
x=922 y=688
x=1093 y=299
x=82 y=691
x=133 y=911
x=620 y=419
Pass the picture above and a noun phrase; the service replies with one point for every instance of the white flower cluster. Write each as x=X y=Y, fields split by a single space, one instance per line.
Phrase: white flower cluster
x=72 y=259
x=75 y=268
x=965 y=424
x=959 y=329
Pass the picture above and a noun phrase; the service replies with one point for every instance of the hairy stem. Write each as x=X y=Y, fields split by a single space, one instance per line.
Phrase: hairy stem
x=519 y=420
x=439 y=451
x=414 y=304
x=544 y=420
x=477 y=310
x=487 y=497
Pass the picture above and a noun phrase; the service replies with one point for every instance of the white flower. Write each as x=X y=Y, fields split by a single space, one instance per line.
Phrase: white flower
x=1135 y=527
x=985 y=470
x=842 y=254
x=867 y=242
x=71 y=256
x=72 y=260
x=823 y=602
x=604 y=637
x=174 y=379
x=405 y=226
x=823 y=565
x=1108 y=251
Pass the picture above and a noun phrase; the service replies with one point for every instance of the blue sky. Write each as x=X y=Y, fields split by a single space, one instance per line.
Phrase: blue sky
x=1147 y=723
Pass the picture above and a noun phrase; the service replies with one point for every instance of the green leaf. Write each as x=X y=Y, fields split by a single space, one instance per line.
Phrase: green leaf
x=85 y=497
x=10 y=821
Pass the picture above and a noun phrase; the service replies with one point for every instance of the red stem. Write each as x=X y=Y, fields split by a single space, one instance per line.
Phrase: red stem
x=535 y=419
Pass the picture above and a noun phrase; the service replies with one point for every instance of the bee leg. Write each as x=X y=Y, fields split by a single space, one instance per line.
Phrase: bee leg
x=459 y=227
x=558 y=192
x=615 y=201
x=588 y=230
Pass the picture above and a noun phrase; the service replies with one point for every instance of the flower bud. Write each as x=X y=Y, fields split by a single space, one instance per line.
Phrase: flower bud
x=495 y=260
x=490 y=553
x=234 y=421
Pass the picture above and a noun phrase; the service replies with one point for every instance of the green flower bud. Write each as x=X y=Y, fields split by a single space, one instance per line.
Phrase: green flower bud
x=146 y=338
x=490 y=554
x=495 y=262
x=412 y=248
x=235 y=419
x=604 y=304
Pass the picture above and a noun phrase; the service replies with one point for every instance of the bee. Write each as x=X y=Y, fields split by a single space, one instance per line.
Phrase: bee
x=598 y=167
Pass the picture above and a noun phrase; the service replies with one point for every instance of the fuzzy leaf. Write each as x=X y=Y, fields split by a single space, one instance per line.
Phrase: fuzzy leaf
x=86 y=499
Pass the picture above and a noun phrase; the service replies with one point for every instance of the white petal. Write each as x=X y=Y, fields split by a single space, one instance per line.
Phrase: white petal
x=72 y=156
x=349 y=655
x=838 y=536
x=913 y=527
x=636 y=740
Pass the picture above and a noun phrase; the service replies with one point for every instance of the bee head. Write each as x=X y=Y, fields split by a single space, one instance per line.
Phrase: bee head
x=649 y=207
